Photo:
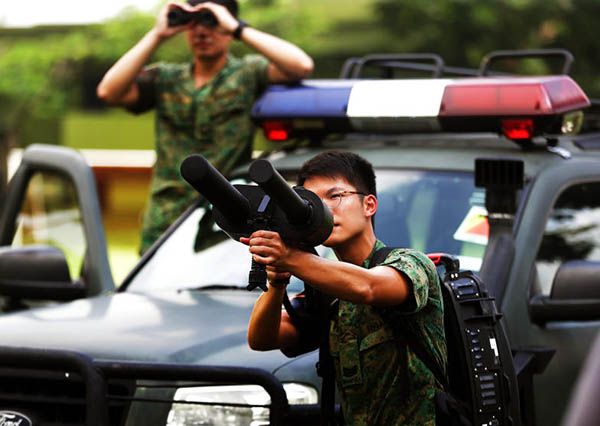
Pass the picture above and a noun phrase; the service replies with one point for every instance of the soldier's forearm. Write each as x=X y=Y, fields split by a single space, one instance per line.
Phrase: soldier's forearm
x=377 y=286
x=265 y=320
x=291 y=61
x=119 y=79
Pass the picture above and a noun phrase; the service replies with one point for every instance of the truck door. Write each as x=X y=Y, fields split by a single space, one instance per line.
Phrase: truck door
x=552 y=302
x=52 y=243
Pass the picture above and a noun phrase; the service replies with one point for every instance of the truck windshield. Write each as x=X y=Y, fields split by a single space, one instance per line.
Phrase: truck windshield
x=429 y=211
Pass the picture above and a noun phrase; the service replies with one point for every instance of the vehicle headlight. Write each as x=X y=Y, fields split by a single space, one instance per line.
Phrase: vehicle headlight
x=183 y=414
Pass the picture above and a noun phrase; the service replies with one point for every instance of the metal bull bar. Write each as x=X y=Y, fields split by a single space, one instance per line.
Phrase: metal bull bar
x=46 y=359
x=95 y=373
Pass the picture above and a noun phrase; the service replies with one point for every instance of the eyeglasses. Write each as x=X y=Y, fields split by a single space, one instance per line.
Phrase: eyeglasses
x=334 y=199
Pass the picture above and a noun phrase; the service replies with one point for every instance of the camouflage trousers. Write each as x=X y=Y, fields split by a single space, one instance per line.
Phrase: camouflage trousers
x=164 y=207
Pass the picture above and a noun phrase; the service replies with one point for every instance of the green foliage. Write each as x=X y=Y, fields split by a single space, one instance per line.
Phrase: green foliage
x=48 y=70
x=462 y=31
x=43 y=69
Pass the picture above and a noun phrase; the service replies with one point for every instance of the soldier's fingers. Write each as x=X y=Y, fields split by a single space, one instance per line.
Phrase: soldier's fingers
x=272 y=275
x=263 y=250
x=276 y=269
x=267 y=242
x=265 y=234
x=277 y=272
x=186 y=6
x=264 y=260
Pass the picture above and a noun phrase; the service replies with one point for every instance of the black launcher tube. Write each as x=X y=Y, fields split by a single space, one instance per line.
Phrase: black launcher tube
x=205 y=179
x=295 y=207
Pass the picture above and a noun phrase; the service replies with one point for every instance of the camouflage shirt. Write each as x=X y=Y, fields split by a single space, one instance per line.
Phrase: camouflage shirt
x=213 y=120
x=368 y=363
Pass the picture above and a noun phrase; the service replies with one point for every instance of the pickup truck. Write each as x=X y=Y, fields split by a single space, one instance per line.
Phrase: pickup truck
x=168 y=345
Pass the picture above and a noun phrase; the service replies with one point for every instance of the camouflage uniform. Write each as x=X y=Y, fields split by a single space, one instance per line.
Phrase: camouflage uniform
x=213 y=120
x=381 y=381
x=369 y=365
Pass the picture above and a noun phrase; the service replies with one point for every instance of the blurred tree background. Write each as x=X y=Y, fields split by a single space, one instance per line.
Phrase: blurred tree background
x=48 y=74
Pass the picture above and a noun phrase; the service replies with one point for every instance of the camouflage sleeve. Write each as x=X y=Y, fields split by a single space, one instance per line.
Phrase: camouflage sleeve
x=257 y=67
x=146 y=82
x=418 y=270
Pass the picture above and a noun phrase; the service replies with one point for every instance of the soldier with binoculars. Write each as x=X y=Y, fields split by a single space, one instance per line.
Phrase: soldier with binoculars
x=202 y=106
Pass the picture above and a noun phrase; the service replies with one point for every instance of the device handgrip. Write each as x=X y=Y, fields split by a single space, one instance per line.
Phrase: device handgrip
x=295 y=207
x=257 y=276
x=205 y=179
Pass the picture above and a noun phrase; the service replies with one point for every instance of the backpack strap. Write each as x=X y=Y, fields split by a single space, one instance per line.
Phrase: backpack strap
x=406 y=334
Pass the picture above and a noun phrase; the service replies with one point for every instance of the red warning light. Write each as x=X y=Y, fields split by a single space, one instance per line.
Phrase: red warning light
x=279 y=130
x=518 y=128
x=532 y=96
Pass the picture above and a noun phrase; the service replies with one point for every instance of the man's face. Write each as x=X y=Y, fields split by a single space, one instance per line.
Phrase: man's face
x=207 y=43
x=351 y=211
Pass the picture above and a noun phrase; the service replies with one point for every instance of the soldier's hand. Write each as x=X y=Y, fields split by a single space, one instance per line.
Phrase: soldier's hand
x=277 y=277
x=162 y=27
x=268 y=248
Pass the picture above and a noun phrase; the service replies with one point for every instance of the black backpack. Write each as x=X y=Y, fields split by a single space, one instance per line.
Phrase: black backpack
x=480 y=387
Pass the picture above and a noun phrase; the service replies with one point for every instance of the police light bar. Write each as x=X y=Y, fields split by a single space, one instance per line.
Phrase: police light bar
x=519 y=107
x=313 y=107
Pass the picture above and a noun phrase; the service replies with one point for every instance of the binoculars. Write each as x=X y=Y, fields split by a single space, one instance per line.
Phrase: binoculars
x=297 y=214
x=178 y=16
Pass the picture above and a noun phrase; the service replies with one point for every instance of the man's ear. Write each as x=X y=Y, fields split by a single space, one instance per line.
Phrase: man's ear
x=370 y=205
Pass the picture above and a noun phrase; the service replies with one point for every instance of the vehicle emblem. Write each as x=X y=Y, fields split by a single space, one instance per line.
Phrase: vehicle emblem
x=12 y=418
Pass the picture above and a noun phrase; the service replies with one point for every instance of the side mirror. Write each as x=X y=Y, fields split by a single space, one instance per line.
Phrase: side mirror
x=72 y=169
x=37 y=272
x=577 y=279
x=575 y=295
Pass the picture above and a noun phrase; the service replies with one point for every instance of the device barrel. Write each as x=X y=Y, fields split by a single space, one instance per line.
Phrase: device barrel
x=268 y=178
x=205 y=179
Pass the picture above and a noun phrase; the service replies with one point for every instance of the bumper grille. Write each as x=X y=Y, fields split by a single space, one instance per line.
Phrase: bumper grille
x=57 y=398
x=42 y=385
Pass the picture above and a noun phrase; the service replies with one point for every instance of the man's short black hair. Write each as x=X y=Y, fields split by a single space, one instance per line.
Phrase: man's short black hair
x=231 y=5
x=341 y=164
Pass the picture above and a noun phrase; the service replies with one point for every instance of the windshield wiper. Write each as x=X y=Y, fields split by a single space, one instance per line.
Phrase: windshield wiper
x=214 y=287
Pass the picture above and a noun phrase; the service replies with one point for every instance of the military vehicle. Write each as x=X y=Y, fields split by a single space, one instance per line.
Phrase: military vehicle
x=168 y=345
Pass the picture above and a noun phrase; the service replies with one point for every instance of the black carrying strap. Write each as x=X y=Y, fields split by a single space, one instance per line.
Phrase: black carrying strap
x=326 y=370
x=406 y=334
x=321 y=306
x=315 y=316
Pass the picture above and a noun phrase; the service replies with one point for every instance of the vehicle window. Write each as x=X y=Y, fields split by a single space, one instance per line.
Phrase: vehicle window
x=572 y=231
x=50 y=215
x=433 y=212
x=428 y=211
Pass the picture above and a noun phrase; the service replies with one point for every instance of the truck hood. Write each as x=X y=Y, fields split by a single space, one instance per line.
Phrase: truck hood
x=190 y=327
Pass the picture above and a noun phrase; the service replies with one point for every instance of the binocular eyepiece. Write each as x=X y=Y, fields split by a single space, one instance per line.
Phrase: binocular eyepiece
x=298 y=215
x=178 y=16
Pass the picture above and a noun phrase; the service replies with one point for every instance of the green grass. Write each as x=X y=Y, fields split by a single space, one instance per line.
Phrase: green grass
x=111 y=129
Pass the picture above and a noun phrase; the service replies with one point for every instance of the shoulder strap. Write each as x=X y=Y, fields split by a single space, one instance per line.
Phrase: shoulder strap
x=379 y=256
x=415 y=344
